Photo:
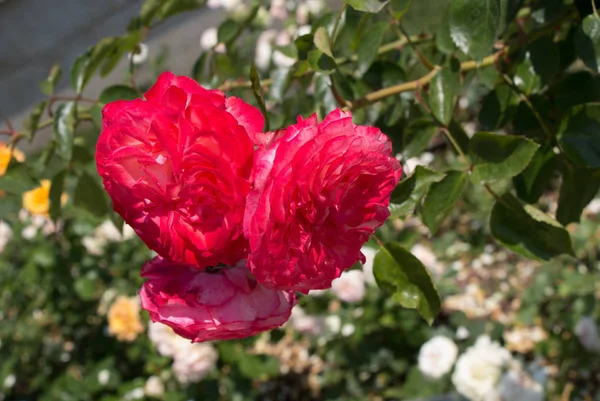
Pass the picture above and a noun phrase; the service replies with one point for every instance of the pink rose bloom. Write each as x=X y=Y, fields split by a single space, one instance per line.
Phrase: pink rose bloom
x=203 y=306
x=177 y=167
x=320 y=190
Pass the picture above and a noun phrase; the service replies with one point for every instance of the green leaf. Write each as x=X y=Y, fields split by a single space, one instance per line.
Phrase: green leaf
x=369 y=44
x=442 y=198
x=47 y=86
x=400 y=8
x=417 y=136
x=321 y=41
x=57 y=188
x=544 y=57
x=17 y=179
x=96 y=113
x=86 y=64
x=587 y=42
x=527 y=230
x=258 y=95
x=227 y=31
x=526 y=78
x=85 y=287
x=368 y=6
x=31 y=124
x=118 y=92
x=497 y=108
x=321 y=62
x=498 y=157
x=410 y=191
x=474 y=25
x=64 y=130
x=536 y=177
x=443 y=92
x=508 y=11
x=90 y=196
x=199 y=65
x=579 y=135
x=579 y=187
x=443 y=39
x=401 y=273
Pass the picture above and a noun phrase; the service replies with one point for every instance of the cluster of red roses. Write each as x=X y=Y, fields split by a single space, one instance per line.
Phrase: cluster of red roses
x=240 y=219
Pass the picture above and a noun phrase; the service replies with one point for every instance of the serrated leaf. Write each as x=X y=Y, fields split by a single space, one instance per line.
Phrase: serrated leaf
x=258 y=95
x=368 y=6
x=536 y=177
x=474 y=25
x=579 y=135
x=498 y=157
x=118 y=92
x=527 y=230
x=402 y=274
x=369 y=45
x=31 y=124
x=443 y=92
x=64 y=130
x=56 y=191
x=409 y=192
x=89 y=196
x=417 y=136
x=48 y=85
x=587 y=42
x=442 y=198
x=579 y=187
x=321 y=41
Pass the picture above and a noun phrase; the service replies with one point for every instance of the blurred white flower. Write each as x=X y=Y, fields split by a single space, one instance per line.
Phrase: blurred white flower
x=524 y=339
x=9 y=381
x=306 y=324
x=191 y=361
x=428 y=258
x=209 y=38
x=462 y=333
x=29 y=232
x=154 y=387
x=437 y=356
x=264 y=49
x=135 y=394
x=425 y=159
x=105 y=233
x=587 y=333
x=141 y=56
x=333 y=324
x=367 y=267
x=302 y=12
x=280 y=59
x=303 y=30
x=517 y=384
x=226 y=4
x=350 y=286
x=5 y=235
x=348 y=329
x=593 y=207
x=278 y=9
x=315 y=6
x=103 y=377
x=194 y=363
x=263 y=17
x=479 y=369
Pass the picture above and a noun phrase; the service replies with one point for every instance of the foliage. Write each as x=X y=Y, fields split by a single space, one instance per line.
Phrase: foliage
x=493 y=107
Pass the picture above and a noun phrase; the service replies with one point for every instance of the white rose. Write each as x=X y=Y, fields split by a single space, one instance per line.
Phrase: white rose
x=479 y=369
x=209 y=39
x=306 y=324
x=587 y=333
x=437 y=356
x=428 y=258
x=154 y=387
x=264 y=49
x=192 y=364
x=141 y=56
x=350 y=286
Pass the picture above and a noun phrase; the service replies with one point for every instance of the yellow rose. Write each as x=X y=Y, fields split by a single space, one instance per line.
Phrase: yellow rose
x=124 y=319
x=37 y=201
x=6 y=154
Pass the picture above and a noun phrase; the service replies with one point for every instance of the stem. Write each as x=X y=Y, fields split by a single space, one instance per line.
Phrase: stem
x=8 y=123
x=336 y=25
x=455 y=145
x=413 y=85
x=402 y=34
x=595 y=9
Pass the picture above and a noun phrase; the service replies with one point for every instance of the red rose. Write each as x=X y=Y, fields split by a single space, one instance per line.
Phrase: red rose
x=205 y=306
x=177 y=165
x=320 y=191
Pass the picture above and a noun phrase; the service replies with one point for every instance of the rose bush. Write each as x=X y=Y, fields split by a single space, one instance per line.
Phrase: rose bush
x=177 y=167
x=320 y=191
x=205 y=306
